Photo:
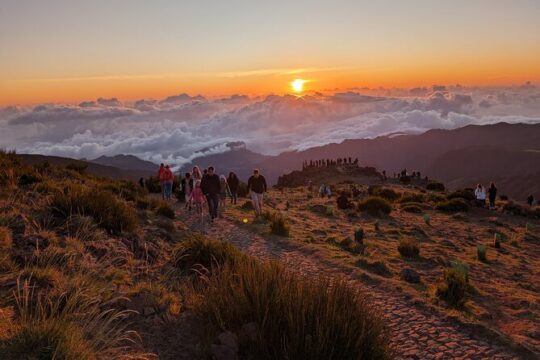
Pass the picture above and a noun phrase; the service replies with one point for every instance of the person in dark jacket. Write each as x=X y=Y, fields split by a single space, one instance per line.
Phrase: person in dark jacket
x=233 y=182
x=211 y=187
x=492 y=192
x=343 y=202
x=256 y=188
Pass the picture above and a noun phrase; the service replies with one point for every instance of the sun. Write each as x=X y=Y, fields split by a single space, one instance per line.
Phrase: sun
x=298 y=85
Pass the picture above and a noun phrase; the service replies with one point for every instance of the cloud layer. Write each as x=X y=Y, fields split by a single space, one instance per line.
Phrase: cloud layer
x=178 y=128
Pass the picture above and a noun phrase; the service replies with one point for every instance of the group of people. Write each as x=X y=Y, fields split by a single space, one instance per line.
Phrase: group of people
x=198 y=188
x=480 y=193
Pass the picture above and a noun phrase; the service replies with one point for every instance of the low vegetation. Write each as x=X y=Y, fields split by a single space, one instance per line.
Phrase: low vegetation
x=453 y=205
x=278 y=223
x=408 y=248
x=375 y=206
x=454 y=285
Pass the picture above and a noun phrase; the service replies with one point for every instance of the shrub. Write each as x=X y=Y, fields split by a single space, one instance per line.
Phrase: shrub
x=142 y=203
x=5 y=238
x=82 y=228
x=375 y=206
x=466 y=194
x=385 y=193
x=278 y=224
x=198 y=251
x=515 y=209
x=152 y=185
x=408 y=248
x=377 y=226
x=411 y=198
x=453 y=205
x=329 y=211
x=427 y=219
x=68 y=326
x=359 y=235
x=497 y=240
x=247 y=205
x=453 y=287
x=435 y=186
x=297 y=317
x=411 y=208
x=165 y=211
x=107 y=211
x=481 y=252
x=28 y=179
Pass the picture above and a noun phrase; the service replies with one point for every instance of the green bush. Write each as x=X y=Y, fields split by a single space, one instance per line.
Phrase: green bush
x=198 y=251
x=375 y=206
x=165 y=211
x=107 y=210
x=278 y=223
x=329 y=211
x=481 y=252
x=453 y=205
x=466 y=194
x=385 y=193
x=435 y=186
x=454 y=286
x=408 y=248
x=411 y=198
x=297 y=317
x=427 y=219
x=497 y=240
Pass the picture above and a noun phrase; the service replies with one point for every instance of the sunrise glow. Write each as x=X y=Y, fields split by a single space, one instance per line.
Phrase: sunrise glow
x=298 y=85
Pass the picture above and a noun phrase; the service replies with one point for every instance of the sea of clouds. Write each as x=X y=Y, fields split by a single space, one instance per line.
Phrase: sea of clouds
x=179 y=128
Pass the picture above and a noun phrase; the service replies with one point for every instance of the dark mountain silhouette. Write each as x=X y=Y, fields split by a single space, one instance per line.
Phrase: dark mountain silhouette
x=461 y=157
x=126 y=162
x=92 y=168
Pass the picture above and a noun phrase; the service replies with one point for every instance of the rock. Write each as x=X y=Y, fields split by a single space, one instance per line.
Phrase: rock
x=410 y=276
x=227 y=348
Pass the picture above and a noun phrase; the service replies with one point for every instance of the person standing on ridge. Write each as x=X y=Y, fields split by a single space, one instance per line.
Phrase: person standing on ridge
x=480 y=194
x=187 y=188
x=233 y=182
x=224 y=191
x=256 y=188
x=210 y=187
x=168 y=179
x=492 y=192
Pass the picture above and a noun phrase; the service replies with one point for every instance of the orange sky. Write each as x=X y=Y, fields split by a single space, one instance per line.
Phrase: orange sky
x=66 y=51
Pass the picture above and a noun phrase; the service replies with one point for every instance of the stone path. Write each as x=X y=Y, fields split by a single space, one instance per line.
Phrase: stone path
x=415 y=333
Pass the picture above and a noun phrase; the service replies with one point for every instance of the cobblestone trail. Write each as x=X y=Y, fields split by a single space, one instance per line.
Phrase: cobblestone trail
x=415 y=333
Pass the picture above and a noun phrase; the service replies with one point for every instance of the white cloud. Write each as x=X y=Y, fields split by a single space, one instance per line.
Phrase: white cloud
x=175 y=130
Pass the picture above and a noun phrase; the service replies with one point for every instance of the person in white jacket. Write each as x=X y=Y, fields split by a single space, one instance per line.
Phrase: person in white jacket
x=480 y=194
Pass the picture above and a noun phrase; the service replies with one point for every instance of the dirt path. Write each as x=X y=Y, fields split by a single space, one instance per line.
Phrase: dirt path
x=416 y=332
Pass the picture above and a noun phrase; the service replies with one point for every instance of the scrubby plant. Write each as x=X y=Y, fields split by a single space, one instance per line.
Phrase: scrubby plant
x=385 y=193
x=5 y=238
x=408 y=248
x=481 y=252
x=69 y=326
x=454 y=286
x=375 y=206
x=107 y=210
x=411 y=208
x=329 y=211
x=81 y=227
x=497 y=240
x=377 y=226
x=515 y=209
x=435 y=186
x=466 y=194
x=198 y=252
x=359 y=235
x=29 y=179
x=278 y=223
x=453 y=205
x=247 y=205
x=461 y=267
x=165 y=210
x=427 y=219
x=411 y=197
x=297 y=317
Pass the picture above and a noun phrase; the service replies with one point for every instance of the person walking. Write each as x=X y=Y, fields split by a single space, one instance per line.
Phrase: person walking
x=256 y=188
x=187 y=187
x=161 y=173
x=233 y=183
x=492 y=192
x=168 y=179
x=210 y=187
x=196 y=198
x=196 y=173
x=224 y=191
x=480 y=194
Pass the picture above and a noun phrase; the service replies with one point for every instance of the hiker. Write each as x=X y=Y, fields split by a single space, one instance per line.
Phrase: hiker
x=492 y=192
x=384 y=175
x=328 y=191
x=343 y=202
x=196 y=173
x=160 y=178
x=354 y=191
x=210 y=187
x=322 y=190
x=257 y=187
x=480 y=194
x=197 y=198
x=530 y=200
x=233 y=182
x=168 y=179
x=141 y=182
x=224 y=191
x=187 y=187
